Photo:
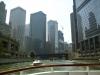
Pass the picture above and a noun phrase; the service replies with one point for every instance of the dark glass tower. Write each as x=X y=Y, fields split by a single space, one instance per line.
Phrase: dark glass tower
x=2 y=12
x=38 y=31
x=87 y=26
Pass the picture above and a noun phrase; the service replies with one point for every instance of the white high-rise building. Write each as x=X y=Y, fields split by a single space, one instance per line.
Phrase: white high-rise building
x=53 y=35
x=17 y=22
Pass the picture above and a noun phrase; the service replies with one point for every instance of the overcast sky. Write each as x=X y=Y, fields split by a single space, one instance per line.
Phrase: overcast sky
x=55 y=9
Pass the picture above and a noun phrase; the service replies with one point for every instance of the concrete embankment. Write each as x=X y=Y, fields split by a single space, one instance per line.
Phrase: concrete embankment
x=86 y=61
x=12 y=60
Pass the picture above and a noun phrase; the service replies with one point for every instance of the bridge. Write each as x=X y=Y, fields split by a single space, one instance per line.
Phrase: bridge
x=57 y=55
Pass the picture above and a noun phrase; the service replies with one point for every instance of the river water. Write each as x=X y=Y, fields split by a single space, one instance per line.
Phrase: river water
x=27 y=64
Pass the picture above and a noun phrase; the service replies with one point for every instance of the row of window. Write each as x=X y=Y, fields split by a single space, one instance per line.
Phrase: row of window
x=90 y=45
x=89 y=20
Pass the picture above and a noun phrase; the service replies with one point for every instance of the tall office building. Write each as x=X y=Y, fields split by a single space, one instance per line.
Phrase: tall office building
x=38 y=31
x=3 y=12
x=76 y=30
x=17 y=22
x=4 y=28
x=53 y=35
x=88 y=27
x=28 y=40
x=73 y=32
x=60 y=42
x=27 y=30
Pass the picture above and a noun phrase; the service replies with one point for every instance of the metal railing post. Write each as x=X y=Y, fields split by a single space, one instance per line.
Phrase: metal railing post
x=87 y=68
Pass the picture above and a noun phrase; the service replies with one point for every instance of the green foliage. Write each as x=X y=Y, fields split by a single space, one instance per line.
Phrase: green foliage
x=4 y=51
x=32 y=55
x=1 y=47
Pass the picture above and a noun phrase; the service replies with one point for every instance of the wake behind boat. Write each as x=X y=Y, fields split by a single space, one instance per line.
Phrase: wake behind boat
x=37 y=62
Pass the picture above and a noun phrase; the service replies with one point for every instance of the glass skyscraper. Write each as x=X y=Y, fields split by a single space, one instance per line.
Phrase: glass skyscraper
x=88 y=27
x=53 y=35
x=89 y=13
x=3 y=12
x=17 y=22
x=38 y=31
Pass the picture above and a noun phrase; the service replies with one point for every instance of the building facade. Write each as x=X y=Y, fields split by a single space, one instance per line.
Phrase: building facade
x=27 y=29
x=53 y=35
x=73 y=32
x=87 y=12
x=8 y=46
x=27 y=41
x=3 y=12
x=60 y=42
x=5 y=29
x=17 y=22
x=38 y=31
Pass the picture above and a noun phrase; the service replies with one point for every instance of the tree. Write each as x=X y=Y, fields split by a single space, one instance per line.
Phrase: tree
x=32 y=55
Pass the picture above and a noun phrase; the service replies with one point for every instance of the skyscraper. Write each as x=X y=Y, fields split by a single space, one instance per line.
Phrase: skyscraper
x=60 y=42
x=2 y=12
x=53 y=35
x=4 y=28
x=38 y=31
x=73 y=32
x=17 y=22
x=88 y=27
x=27 y=30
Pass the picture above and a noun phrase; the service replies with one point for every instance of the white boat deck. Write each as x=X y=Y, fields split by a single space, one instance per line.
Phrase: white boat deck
x=66 y=73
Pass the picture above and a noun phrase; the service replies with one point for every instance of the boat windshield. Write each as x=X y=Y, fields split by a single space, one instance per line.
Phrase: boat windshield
x=49 y=36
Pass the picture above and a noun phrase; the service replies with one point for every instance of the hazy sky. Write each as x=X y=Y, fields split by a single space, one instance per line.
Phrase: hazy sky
x=55 y=9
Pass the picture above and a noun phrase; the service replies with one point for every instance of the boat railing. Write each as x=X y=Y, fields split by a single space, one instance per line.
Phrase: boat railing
x=50 y=65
